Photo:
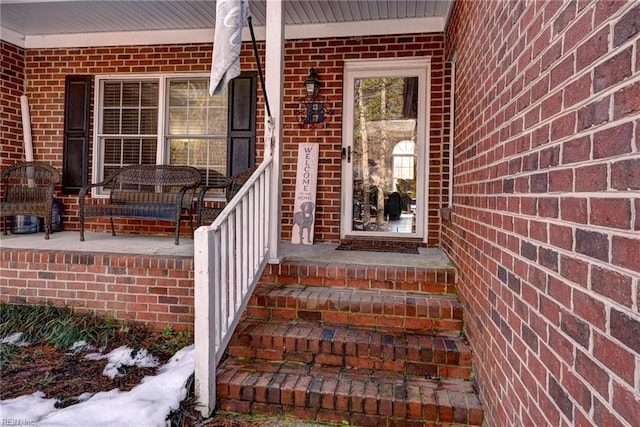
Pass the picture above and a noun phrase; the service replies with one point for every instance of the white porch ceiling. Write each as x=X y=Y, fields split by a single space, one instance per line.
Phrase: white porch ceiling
x=74 y=23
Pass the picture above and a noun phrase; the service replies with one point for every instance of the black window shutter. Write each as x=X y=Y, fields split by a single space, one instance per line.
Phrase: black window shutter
x=75 y=156
x=241 y=139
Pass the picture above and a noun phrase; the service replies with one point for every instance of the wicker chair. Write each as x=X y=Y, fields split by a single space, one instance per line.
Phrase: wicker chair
x=28 y=189
x=232 y=186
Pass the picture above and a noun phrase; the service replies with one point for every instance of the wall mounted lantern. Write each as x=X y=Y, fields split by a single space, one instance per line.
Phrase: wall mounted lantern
x=313 y=108
x=312 y=84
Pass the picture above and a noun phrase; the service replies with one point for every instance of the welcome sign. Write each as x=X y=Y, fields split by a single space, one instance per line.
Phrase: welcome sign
x=305 y=200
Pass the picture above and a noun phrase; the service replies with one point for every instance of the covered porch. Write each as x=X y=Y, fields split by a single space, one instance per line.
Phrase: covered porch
x=149 y=278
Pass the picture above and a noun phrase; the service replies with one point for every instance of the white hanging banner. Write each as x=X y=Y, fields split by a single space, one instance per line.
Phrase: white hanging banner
x=304 y=211
x=227 y=43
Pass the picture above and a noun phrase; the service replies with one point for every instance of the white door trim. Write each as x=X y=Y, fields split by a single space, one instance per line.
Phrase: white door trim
x=392 y=67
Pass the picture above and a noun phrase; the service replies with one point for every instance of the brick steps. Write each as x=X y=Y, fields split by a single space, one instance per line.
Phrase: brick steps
x=441 y=355
x=388 y=309
x=367 y=344
x=333 y=394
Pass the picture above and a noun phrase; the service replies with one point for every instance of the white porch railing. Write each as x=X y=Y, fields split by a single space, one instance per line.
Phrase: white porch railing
x=229 y=257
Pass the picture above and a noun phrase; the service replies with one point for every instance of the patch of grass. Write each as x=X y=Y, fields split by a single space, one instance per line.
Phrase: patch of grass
x=58 y=326
x=49 y=363
x=8 y=352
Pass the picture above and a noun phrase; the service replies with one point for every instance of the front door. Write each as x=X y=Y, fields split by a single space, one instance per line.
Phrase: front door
x=384 y=148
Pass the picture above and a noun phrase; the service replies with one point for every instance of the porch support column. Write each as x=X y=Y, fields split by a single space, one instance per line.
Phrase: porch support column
x=274 y=76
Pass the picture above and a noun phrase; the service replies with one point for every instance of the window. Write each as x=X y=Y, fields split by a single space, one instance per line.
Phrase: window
x=196 y=131
x=404 y=166
x=128 y=131
x=172 y=120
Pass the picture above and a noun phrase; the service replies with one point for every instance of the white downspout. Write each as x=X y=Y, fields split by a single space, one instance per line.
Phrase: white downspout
x=26 y=128
x=274 y=65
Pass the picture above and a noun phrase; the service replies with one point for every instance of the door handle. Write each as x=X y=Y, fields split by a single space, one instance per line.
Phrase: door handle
x=347 y=152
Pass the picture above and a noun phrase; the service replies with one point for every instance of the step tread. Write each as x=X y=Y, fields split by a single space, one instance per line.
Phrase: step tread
x=345 y=392
x=438 y=354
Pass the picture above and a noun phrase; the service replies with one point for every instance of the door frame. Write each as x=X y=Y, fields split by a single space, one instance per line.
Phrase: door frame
x=391 y=67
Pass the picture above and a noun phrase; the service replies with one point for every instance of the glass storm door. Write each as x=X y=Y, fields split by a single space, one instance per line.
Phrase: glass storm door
x=383 y=148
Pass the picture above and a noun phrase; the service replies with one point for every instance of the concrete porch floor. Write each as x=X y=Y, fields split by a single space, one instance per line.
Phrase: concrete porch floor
x=69 y=241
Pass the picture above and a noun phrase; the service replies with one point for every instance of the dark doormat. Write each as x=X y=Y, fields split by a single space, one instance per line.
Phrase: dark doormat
x=379 y=246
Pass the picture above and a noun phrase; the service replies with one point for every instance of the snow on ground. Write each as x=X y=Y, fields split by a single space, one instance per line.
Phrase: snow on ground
x=14 y=339
x=124 y=356
x=146 y=405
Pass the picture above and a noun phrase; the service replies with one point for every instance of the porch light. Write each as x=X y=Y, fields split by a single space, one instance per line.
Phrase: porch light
x=312 y=84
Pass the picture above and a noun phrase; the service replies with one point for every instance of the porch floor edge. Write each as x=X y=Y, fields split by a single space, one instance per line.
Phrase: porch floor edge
x=321 y=252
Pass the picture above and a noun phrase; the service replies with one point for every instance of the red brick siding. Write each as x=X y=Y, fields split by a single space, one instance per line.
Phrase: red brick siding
x=11 y=88
x=544 y=229
x=154 y=290
x=327 y=57
x=46 y=69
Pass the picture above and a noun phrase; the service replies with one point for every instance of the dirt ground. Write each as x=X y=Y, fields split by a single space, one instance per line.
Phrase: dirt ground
x=64 y=377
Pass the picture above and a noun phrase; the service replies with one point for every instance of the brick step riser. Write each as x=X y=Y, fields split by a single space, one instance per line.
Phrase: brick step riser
x=377 y=322
x=413 y=279
x=429 y=357
x=430 y=287
x=333 y=399
x=373 y=311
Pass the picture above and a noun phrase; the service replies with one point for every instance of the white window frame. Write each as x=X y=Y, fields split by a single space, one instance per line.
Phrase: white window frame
x=161 y=142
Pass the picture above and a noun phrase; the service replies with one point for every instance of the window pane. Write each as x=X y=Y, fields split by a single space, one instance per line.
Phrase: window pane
x=217 y=152
x=130 y=94
x=111 y=95
x=217 y=121
x=130 y=151
x=197 y=122
x=178 y=93
x=198 y=93
x=149 y=151
x=111 y=121
x=130 y=120
x=112 y=150
x=179 y=152
x=149 y=96
x=199 y=152
x=149 y=121
x=178 y=120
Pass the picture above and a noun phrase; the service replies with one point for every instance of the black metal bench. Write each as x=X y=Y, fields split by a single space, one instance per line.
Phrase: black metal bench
x=143 y=191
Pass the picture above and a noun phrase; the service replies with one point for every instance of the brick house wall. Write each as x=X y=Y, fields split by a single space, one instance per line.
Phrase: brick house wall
x=151 y=289
x=11 y=88
x=45 y=70
x=546 y=214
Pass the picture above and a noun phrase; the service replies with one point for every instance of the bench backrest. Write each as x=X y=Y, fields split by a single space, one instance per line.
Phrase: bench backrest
x=152 y=183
